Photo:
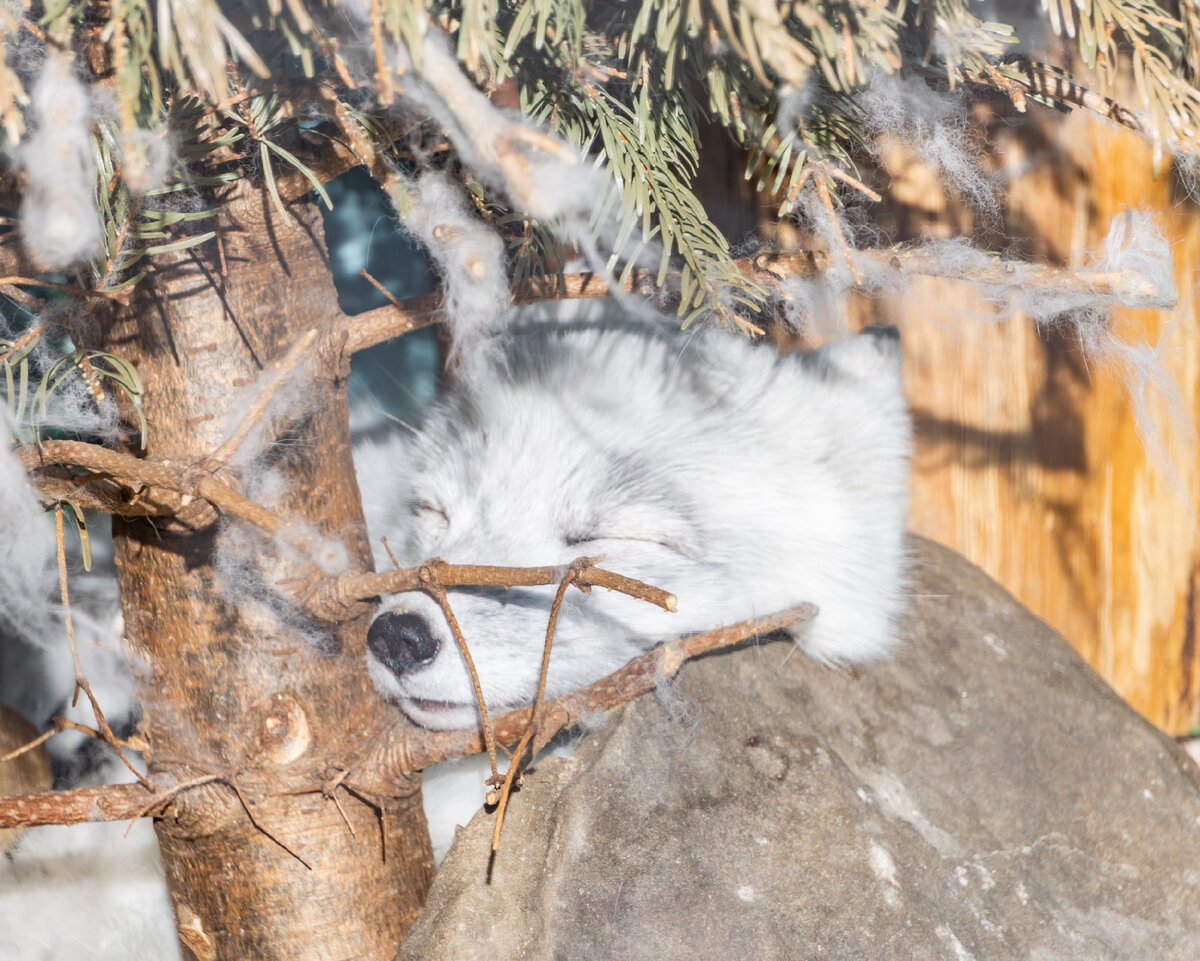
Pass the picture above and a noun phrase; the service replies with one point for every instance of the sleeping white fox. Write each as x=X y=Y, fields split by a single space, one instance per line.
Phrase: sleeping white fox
x=742 y=481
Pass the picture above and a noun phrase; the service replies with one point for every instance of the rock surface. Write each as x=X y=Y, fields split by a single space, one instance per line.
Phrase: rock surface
x=983 y=796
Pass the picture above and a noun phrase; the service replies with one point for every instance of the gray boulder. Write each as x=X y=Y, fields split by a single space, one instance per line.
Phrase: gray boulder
x=983 y=795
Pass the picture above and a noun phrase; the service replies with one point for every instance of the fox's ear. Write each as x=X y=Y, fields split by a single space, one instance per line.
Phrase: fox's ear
x=872 y=353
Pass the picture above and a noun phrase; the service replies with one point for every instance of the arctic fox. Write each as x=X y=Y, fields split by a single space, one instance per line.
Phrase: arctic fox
x=742 y=481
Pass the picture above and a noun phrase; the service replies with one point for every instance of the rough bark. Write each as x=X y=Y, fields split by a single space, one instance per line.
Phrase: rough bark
x=260 y=863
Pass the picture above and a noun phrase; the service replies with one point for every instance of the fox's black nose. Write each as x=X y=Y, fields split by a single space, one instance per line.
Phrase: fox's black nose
x=401 y=640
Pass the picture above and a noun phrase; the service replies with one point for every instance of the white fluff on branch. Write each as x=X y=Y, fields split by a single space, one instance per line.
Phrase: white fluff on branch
x=934 y=127
x=60 y=224
x=541 y=175
x=469 y=255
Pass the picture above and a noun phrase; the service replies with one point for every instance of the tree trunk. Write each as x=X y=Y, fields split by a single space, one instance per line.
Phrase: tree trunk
x=260 y=863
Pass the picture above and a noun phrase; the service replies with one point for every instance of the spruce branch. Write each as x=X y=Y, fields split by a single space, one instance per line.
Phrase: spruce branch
x=1110 y=34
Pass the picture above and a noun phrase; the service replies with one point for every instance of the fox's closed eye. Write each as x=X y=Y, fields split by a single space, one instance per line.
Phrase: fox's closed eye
x=431 y=514
x=660 y=540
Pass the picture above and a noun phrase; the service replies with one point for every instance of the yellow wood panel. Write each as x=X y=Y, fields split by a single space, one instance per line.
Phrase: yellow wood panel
x=1029 y=460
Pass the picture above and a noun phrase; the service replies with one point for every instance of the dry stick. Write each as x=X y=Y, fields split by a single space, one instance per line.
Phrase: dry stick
x=116 y=802
x=435 y=591
x=33 y=332
x=329 y=790
x=360 y=587
x=569 y=577
x=163 y=796
x=58 y=724
x=81 y=681
x=535 y=717
x=26 y=748
x=93 y=457
x=1136 y=290
x=384 y=323
x=110 y=802
x=382 y=289
x=1047 y=83
x=636 y=677
x=383 y=76
x=258 y=824
x=843 y=244
x=839 y=174
x=20 y=296
x=283 y=368
x=50 y=285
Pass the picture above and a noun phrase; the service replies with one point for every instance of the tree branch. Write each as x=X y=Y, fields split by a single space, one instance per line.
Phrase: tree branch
x=1043 y=81
x=770 y=269
x=110 y=802
x=136 y=472
x=349 y=589
x=397 y=753
x=381 y=324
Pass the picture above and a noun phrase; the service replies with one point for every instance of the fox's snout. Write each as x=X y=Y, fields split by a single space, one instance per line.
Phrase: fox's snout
x=402 y=641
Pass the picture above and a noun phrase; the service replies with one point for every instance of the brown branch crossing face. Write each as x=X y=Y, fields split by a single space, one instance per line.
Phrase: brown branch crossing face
x=397 y=754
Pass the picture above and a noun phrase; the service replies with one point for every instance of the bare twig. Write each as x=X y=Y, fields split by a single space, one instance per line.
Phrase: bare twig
x=435 y=591
x=283 y=368
x=1043 y=81
x=409 y=752
x=772 y=268
x=59 y=724
x=65 y=288
x=391 y=556
x=35 y=331
x=57 y=483
x=355 y=140
x=412 y=753
x=26 y=748
x=367 y=276
x=383 y=323
x=330 y=789
x=138 y=472
x=819 y=174
x=111 y=802
x=258 y=824
x=839 y=174
x=383 y=76
x=81 y=681
x=350 y=588
x=569 y=577
x=162 y=797
x=512 y=775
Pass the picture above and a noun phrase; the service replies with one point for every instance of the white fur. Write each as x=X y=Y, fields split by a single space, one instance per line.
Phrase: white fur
x=86 y=891
x=740 y=481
